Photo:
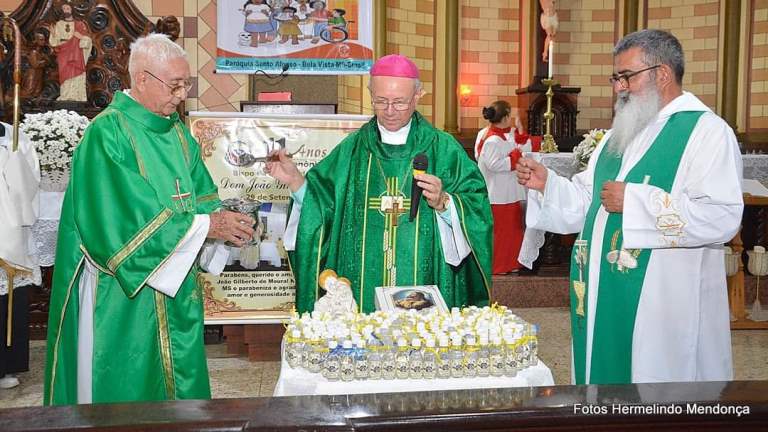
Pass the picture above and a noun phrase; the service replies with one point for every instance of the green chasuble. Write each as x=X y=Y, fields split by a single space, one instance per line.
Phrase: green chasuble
x=137 y=182
x=354 y=219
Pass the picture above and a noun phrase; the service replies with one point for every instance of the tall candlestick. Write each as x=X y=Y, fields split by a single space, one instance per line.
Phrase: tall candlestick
x=551 y=63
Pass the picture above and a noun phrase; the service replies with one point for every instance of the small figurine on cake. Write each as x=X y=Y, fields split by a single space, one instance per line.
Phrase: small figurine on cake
x=338 y=294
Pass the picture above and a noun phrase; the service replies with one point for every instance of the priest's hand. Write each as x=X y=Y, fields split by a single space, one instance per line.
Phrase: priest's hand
x=612 y=196
x=233 y=227
x=531 y=174
x=282 y=168
x=432 y=188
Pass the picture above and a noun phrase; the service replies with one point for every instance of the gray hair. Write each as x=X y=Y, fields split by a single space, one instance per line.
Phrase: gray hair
x=154 y=48
x=659 y=47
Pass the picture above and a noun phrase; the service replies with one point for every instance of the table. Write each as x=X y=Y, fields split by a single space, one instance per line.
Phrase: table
x=300 y=382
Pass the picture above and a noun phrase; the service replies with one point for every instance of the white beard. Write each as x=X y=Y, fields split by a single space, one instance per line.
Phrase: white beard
x=633 y=113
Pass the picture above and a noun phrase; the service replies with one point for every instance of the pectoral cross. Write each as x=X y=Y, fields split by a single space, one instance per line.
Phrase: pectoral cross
x=393 y=210
x=180 y=196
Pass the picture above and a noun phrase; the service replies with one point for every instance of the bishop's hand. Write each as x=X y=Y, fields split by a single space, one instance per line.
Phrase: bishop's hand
x=531 y=174
x=282 y=168
x=233 y=227
x=432 y=190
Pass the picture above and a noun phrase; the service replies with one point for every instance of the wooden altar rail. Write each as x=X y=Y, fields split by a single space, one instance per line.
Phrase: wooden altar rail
x=736 y=298
x=531 y=409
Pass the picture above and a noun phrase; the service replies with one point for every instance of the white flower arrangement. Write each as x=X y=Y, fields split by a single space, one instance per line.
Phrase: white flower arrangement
x=55 y=135
x=583 y=151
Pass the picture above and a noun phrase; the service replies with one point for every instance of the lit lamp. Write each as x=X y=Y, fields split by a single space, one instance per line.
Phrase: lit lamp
x=465 y=91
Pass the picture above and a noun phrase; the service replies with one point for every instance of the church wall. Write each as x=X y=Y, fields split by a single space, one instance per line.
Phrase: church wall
x=8 y=6
x=212 y=92
x=758 y=91
x=696 y=24
x=411 y=32
x=489 y=45
x=583 y=58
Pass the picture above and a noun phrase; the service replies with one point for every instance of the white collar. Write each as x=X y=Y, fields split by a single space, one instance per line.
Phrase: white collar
x=685 y=102
x=398 y=137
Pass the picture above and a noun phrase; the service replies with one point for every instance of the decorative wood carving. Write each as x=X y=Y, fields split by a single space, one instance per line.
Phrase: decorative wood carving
x=112 y=25
x=533 y=102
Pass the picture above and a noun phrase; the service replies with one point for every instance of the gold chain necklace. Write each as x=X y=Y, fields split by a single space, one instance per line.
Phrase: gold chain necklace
x=384 y=177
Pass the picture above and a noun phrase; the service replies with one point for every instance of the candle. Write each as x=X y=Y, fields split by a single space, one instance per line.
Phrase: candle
x=551 y=45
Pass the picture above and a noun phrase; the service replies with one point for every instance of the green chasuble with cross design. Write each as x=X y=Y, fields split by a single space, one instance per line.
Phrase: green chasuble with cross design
x=354 y=219
x=137 y=182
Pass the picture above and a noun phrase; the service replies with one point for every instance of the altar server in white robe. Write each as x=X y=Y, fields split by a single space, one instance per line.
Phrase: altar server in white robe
x=19 y=206
x=660 y=196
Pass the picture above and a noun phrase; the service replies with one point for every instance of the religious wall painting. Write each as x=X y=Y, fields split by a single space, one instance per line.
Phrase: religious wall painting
x=75 y=54
x=257 y=284
x=71 y=41
x=309 y=36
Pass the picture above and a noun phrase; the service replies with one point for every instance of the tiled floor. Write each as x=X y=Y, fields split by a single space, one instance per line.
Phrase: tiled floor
x=233 y=377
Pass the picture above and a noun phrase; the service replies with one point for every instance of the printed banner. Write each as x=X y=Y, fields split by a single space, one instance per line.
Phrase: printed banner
x=257 y=285
x=306 y=37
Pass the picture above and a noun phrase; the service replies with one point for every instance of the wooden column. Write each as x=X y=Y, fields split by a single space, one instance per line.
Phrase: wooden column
x=630 y=19
x=451 y=49
x=730 y=84
x=379 y=29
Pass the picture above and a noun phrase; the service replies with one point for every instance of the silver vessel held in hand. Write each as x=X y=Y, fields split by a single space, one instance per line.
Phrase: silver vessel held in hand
x=248 y=207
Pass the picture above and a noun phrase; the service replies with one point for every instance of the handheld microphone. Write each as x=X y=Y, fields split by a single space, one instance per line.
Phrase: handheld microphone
x=420 y=164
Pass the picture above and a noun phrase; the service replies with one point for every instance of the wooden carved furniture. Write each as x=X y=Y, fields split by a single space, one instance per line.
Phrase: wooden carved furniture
x=736 y=297
x=111 y=24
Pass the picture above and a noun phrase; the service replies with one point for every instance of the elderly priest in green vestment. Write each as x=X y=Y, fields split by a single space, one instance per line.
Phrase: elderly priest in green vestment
x=351 y=212
x=126 y=313
x=660 y=196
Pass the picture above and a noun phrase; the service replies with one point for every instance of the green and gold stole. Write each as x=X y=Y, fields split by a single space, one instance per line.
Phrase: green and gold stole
x=622 y=271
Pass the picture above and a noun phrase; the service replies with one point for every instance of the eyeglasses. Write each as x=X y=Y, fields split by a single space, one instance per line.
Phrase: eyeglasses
x=175 y=89
x=397 y=106
x=623 y=79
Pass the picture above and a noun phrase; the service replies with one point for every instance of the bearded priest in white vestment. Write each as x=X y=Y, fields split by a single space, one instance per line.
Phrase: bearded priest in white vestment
x=660 y=196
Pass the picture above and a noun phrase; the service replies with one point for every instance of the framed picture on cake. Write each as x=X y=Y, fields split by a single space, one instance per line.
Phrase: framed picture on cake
x=404 y=298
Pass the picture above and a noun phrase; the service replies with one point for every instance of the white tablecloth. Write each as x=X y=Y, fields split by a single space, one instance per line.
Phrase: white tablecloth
x=42 y=244
x=299 y=382
x=565 y=165
x=755 y=167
